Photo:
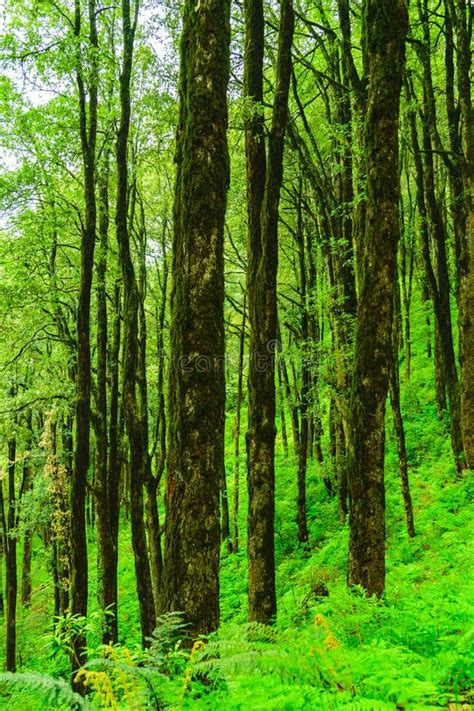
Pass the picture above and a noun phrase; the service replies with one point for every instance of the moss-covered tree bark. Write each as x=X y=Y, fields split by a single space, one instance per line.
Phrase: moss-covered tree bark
x=384 y=31
x=9 y=539
x=462 y=13
x=138 y=439
x=88 y=134
x=264 y=177
x=197 y=374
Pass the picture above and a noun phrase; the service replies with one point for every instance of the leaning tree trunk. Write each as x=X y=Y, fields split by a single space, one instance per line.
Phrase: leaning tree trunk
x=263 y=195
x=384 y=30
x=197 y=375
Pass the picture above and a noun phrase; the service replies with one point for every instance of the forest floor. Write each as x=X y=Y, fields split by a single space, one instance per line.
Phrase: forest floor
x=413 y=650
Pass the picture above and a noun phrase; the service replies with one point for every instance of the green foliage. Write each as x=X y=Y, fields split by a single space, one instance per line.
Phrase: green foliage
x=415 y=648
x=31 y=690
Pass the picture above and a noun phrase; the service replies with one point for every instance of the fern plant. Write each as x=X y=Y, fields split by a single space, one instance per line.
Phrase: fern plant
x=51 y=693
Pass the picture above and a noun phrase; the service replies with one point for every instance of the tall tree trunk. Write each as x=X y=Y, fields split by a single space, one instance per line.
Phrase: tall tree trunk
x=139 y=456
x=106 y=545
x=440 y=380
x=197 y=375
x=438 y=278
x=316 y=430
x=263 y=195
x=281 y=400
x=2 y=555
x=225 y=520
x=394 y=388
x=385 y=24
x=114 y=464
x=26 y=568
x=151 y=482
x=466 y=271
x=294 y=415
x=154 y=528
x=238 y=409
x=28 y=537
x=305 y=376
x=88 y=132
x=9 y=521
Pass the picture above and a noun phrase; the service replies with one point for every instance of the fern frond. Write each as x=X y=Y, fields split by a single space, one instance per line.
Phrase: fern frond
x=54 y=692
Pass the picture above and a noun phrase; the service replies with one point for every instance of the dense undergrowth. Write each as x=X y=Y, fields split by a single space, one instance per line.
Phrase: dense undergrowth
x=413 y=650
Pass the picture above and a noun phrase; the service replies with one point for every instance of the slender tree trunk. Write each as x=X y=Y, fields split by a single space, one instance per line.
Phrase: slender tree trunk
x=305 y=379
x=9 y=544
x=338 y=453
x=235 y=509
x=88 y=132
x=407 y=262
x=463 y=18
x=281 y=400
x=153 y=520
x=2 y=555
x=438 y=279
x=56 y=583
x=263 y=190
x=440 y=380
x=26 y=569
x=114 y=465
x=139 y=456
x=197 y=374
x=385 y=24
x=441 y=297
x=27 y=540
x=151 y=483
x=425 y=296
x=225 y=520
x=106 y=558
x=294 y=416
x=316 y=426
x=394 y=388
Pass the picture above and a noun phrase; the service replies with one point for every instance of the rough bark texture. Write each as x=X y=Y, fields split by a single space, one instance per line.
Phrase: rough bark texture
x=139 y=457
x=281 y=401
x=235 y=508
x=151 y=483
x=394 y=388
x=114 y=451
x=197 y=375
x=466 y=271
x=9 y=521
x=106 y=544
x=438 y=277
x=27 y=540
x=26 y=569
x=263 y=190
x=384 y=31
x=305 y=377
x=88 y=131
